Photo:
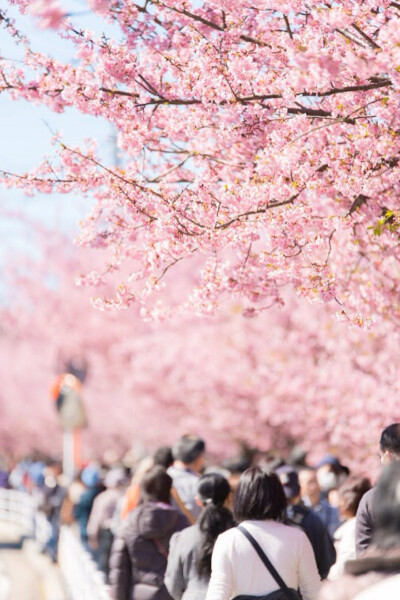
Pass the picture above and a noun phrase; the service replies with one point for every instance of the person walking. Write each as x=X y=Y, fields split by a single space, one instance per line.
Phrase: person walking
x=189 y=561
x=140 y=549
x=188 y=453
x=299 y=515
x=82 y=508
x=236 y=569
x=389 y=451
x=349 y=497
x=381 y=561
x=312 y=497
x=100 y=524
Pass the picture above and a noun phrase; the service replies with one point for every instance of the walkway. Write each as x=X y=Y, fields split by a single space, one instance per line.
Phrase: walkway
x=25 y=573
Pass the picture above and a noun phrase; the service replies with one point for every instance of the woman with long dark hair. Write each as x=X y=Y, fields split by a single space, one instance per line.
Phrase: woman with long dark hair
x=189 y=562
x=237 y=568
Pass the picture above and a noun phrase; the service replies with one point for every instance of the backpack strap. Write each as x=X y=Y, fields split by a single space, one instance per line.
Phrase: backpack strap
x=161 y=548
x=267 y=563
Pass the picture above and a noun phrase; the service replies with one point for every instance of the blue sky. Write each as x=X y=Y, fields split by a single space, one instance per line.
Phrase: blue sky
x=26 y=134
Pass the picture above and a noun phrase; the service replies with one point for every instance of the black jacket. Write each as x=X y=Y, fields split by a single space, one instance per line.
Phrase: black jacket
x=140 y=551
x=313 y=527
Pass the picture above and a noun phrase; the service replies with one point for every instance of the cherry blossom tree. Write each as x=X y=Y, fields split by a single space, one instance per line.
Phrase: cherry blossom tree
x=289 y=376
x=259 y=143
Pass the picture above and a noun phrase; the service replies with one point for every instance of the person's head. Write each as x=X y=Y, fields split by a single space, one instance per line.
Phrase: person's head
x=259 y=496
x=350 y=493
x=115 y=478
x=53 y=468
x=156 y=486
x=290 y=482
x=163 y=456
x=297 y=457
x=387 y=508
x=212 y=491
x=330 y=473
x=309 y=487
x=213 y=488
x=90 y=477
x=189 y=451
x=242 y=460
x=390 y=444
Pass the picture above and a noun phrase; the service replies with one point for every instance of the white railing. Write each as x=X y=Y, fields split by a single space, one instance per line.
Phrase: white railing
x=18 y=508
x=82 y=579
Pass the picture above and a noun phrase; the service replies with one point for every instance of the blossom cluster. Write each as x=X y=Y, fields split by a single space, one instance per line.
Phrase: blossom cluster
x=260 y=144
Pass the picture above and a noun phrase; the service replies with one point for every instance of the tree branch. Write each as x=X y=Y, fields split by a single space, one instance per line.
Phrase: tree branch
x=366 y=37
x=208 y=23
x=262 y=97
x=258 y=211
x=111 y=172
x=288 y=26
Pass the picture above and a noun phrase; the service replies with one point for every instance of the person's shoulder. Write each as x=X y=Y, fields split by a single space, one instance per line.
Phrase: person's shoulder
x=188 y=532
x=326 y=504
x=366 y=501
x=311 y=519
x=347 y=530
x=294 y=532
x=186 y=537
x=368 y=496
x=283 y=531
x=229 y=535
x=294 y=536
x=179 y=474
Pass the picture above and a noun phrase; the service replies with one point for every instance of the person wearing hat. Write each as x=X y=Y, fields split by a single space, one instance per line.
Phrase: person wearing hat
x=301 y=516
x=330 y=475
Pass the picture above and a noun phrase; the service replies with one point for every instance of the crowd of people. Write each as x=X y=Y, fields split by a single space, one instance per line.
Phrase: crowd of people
x=176 y=528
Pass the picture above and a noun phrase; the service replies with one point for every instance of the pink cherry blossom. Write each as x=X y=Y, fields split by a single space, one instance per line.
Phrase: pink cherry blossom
x=259 y=144
x=259 y=164
x=49 y=13
x=288 y=375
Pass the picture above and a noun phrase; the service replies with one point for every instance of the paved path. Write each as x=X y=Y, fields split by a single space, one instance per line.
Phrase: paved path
x=25 y=573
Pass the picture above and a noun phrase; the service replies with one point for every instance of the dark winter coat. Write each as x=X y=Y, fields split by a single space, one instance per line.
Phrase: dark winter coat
x=140 y=551
x=313 y=527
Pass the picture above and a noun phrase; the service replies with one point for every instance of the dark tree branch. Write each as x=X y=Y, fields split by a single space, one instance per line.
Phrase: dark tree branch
x=288 y=26
x=258 y=211
x=208 y=23
x=366 y=37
